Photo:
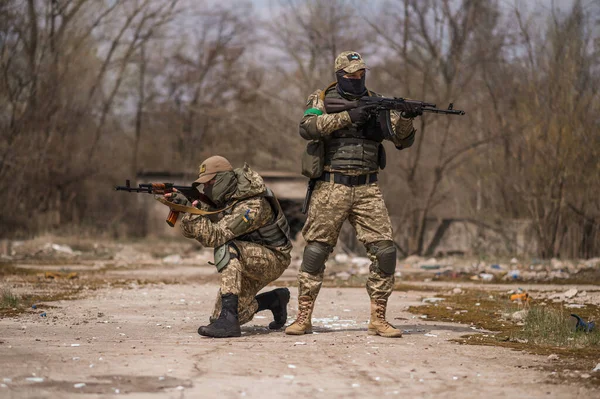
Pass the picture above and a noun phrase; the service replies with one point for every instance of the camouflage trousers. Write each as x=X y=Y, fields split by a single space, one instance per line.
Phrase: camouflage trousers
x=363 y=206
x=256 y=267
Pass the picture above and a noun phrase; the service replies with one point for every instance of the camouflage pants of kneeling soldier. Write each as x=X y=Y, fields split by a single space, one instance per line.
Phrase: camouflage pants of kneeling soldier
x=363 y=206
x=256 y=267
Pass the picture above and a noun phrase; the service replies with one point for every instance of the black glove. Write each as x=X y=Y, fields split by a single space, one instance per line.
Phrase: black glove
x=411 y=111
x=360 y=115
x=179 y=199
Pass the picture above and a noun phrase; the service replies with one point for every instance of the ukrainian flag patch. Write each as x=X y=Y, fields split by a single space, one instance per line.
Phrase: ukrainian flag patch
x=246 y=218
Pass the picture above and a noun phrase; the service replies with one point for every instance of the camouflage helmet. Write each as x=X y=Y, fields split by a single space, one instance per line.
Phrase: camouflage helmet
x=350 y=62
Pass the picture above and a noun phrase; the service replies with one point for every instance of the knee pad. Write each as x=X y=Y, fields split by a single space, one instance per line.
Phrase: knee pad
x=385 y=253
x=315 y=255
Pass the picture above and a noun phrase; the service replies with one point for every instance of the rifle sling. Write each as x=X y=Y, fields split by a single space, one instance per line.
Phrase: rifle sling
x=192 y=210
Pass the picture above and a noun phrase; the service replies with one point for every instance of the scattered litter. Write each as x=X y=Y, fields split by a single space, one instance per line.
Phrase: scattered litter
x=520 y=315
x=7 y=380
x=496 y=267
x=172 y=259
x=361 y=261
x=597 y=368
x=161 y=378
x=430 y=335
x=180 y=388
x=570 y=293
x=477 y=304
x=457 y=291
x=520 y=297
x=43 y=314
x=291 y=366
x=34 y=306
x=553 y=356
x=431 y=267
x=55 y=275
x=575 y=305
x=34 y=379
x=299 y=343
x=514 y=274
x=76 y=358
x=288 y=377
x=75 y=344
x=341 y=258
x=79 y=385
x=455 y=378
x=433 y=300
x=582 y=325
x=486 y=276
x=514 y=261
x=355 y=385
x=260 y=317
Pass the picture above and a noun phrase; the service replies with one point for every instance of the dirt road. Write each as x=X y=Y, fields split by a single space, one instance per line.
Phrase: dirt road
x=140 y=341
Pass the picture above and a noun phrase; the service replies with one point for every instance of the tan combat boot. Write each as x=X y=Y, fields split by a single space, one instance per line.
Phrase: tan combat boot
x=302 y=325
x=378 y=325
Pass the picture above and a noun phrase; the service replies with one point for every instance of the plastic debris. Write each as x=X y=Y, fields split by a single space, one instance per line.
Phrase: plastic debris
x=55 y=275
x=34 y=306
x=288 y=377
x=553 y=357
x=79 y=385
x=582 y=325
x=34 y=379
x=570 y=293
x=299 y=343
x=172 y=259
x=496 y=267
x=75 y=344
x=430 y=335
x=433 y=300
x=597 y=368
x=520 y=315
x=457 y=291
x=431 y=267
x=520 y=297
x=43 y=314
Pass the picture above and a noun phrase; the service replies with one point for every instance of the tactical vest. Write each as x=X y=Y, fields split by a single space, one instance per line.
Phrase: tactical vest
x=274 y=234
x=354 y=148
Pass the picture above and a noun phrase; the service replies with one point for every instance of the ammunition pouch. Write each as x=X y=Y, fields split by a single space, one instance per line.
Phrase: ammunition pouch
x=313 y=159
x=223 y=255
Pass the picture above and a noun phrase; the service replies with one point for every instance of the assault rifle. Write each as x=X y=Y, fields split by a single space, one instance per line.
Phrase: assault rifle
x=382 y=106
x=191 y=193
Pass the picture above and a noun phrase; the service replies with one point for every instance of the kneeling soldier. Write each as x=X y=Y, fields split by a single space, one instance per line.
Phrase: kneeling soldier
x=251 y=242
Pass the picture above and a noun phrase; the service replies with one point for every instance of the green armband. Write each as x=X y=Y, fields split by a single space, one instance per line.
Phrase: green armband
x=313 y=111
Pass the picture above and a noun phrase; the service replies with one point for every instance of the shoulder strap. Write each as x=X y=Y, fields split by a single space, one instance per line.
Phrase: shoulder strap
x=322 y=95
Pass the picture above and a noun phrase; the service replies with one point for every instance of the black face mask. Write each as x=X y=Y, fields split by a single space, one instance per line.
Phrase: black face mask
x=351 y=87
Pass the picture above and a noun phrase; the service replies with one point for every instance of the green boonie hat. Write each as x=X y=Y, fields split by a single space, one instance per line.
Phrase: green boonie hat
x=210 y=167
x=350 y=62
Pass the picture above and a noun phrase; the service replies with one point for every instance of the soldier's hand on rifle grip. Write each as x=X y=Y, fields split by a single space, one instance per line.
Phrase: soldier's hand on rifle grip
x=412 y=111
x=360 y=115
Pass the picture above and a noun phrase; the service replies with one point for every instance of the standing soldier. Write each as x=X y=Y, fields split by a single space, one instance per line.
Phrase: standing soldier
x=251 y=242
x=343 y=157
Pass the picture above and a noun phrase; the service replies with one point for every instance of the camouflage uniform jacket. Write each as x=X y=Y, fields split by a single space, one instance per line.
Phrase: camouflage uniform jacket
x=318 y=126
x=250 y=211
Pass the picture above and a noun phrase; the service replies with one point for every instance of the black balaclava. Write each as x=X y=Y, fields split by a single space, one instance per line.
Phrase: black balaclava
x=223 y=188
x=350 y=87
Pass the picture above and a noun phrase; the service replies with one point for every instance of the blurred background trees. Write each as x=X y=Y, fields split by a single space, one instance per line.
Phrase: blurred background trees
x=93 y=91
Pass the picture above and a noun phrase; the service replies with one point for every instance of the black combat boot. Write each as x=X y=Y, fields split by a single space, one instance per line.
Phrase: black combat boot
x=276 y=301
x=228 y=324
